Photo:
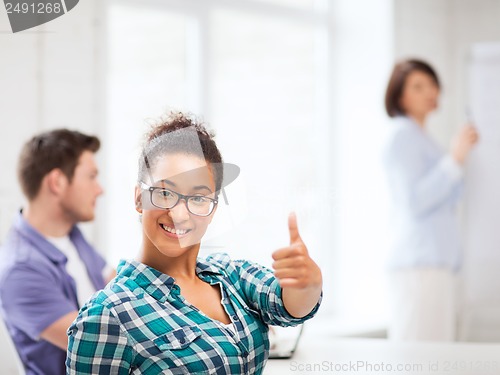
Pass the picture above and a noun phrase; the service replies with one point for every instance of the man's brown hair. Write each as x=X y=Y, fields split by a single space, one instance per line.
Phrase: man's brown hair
x=56 y=149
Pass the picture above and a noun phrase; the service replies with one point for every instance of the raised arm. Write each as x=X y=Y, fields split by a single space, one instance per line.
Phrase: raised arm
x=298 y=275
x=423 y=187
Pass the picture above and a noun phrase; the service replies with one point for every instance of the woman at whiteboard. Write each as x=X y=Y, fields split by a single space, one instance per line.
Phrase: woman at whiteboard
x=426 y=185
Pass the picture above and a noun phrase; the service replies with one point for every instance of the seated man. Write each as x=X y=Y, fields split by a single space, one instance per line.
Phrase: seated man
x=47 y=268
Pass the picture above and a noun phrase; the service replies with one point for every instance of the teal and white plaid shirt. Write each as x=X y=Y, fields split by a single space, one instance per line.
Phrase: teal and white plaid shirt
x=140 y=324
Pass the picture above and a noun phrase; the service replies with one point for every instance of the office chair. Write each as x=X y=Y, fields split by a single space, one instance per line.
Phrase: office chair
x=10 y=362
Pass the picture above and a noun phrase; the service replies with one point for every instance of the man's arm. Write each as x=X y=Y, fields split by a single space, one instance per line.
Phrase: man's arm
x=34 y=302
x=56 y=332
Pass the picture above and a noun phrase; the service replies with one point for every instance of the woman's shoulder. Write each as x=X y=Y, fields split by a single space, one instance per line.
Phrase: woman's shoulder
x=402 y=134
x=218 y=263
x=237 y=268
x=114 y=294
x=401 y=125
x=224 y=261
x=224 y=264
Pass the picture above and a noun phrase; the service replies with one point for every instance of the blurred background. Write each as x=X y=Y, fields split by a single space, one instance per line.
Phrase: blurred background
x=294 y=91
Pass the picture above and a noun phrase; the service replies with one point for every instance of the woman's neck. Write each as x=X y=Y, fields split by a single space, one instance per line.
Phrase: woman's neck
x=182 y=266
x=419 y=119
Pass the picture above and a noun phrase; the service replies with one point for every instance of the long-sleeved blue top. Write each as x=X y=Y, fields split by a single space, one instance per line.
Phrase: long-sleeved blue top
x=425 y=186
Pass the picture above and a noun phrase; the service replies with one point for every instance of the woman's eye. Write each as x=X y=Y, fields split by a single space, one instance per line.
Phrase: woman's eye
x=199 y=199
x=165 y=194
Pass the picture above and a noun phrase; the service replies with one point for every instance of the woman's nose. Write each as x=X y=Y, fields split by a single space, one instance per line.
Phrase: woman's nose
x=180 y=212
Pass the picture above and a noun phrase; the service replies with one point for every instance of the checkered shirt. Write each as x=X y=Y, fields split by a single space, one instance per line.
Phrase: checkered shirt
x=141 y=324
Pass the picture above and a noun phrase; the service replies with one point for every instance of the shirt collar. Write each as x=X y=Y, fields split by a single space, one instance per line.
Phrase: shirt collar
x=205 y=266
x=42 y=244
x=154 y=282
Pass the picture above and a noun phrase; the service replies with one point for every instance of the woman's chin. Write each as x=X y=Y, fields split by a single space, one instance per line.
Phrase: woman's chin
x=179 y=248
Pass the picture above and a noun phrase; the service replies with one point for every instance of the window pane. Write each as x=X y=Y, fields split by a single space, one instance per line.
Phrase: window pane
x=262 y=103
x=146 y=76
x=292 y=3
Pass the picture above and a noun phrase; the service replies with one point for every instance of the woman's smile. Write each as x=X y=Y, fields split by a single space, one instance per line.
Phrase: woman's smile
x=172 y=232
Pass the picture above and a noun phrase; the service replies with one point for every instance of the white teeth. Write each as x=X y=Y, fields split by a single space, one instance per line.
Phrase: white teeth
x=179 y=232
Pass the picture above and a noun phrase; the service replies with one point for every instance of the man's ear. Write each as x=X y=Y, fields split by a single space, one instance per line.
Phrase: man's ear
x=138 y=199
x=56 y=181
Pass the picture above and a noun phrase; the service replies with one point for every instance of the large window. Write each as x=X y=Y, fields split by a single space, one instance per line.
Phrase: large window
x=269 y=78
x=147 y=74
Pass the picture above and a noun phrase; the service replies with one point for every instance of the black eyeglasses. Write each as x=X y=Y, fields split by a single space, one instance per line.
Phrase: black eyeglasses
x=198 y=205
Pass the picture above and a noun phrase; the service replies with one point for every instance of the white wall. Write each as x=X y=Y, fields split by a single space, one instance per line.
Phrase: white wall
x=49 y=78
x=423 y=29
x=441 y=32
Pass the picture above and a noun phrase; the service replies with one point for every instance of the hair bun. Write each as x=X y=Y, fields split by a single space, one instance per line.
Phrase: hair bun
x=177 y=121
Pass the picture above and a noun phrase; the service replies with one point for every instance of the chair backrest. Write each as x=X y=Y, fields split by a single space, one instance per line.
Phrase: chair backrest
x=9 y=359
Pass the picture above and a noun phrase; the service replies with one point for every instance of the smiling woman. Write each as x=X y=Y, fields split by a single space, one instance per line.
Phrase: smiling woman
x=172 y=311
x=177 y=225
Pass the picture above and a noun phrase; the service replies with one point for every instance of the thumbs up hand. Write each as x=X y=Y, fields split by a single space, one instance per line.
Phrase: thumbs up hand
x=299 y=276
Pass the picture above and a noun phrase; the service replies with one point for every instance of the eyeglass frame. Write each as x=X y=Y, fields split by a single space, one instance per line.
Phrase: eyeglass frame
x=180 y=196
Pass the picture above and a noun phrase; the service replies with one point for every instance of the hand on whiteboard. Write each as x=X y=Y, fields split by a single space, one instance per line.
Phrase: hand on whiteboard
x=463 y=142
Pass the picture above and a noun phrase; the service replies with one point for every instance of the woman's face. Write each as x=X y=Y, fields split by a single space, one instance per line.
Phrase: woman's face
x=420 y=94
x=176 y=230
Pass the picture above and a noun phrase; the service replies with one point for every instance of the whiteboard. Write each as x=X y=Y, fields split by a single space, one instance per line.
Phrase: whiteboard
x=480 y=318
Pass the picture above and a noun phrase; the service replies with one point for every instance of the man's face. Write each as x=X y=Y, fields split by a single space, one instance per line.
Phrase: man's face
x=78 y=201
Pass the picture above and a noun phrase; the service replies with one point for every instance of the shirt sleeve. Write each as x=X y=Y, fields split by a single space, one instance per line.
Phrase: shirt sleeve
x=97 y=344
x=422 y=187
x=32 y=299
x=261 y=288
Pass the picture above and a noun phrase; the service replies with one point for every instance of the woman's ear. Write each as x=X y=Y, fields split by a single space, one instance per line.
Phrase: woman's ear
x=138 y=199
